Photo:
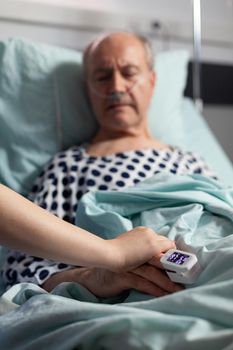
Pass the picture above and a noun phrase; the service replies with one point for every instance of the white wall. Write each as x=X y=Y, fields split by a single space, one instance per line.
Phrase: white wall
x=174 y=15
x=59 y=22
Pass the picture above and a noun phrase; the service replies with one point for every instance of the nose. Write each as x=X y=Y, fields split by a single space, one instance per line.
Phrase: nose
x=117 y=83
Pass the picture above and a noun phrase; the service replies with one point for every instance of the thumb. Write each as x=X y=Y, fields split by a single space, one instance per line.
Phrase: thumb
x=163 y=247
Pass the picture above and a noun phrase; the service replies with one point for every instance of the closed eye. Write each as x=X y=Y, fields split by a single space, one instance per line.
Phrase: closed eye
x=102 y=78
x=130 y=75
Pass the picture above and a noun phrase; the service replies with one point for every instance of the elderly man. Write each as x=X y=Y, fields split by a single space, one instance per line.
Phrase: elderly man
x=120 y=82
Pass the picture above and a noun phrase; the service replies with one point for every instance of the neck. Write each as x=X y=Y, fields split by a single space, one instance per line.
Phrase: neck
x=105 y=143
x=104 y=135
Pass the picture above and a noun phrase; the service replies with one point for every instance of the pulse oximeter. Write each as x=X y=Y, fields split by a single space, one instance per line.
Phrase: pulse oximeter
x=181 y=266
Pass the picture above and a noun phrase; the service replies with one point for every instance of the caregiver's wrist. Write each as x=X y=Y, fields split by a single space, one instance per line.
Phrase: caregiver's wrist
x=114 y=256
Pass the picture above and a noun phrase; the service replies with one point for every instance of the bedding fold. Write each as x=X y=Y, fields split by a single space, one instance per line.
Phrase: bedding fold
x=195 y=211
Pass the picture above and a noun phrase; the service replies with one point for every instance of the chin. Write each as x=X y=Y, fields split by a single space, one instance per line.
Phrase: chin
x=121 y=118
x=120 y=124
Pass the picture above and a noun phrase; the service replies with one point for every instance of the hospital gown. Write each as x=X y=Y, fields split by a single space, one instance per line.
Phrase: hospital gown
x=72 y=173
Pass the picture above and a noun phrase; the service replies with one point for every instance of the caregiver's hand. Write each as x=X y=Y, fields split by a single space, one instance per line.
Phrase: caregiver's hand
x=136 y=247
x=133 y=249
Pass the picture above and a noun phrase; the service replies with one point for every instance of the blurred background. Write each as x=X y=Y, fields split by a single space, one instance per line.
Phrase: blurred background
x=169 y=25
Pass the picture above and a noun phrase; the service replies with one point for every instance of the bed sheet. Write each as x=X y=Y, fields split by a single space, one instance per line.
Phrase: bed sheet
x=195 y=211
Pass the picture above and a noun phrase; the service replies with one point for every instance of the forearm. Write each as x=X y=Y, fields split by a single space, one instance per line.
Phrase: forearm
x=31 y=229
x=78 y=275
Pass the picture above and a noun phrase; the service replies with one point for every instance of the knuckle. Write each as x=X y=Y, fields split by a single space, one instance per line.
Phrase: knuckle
x=127 y=280
x=146 y=230
x=148 y=271
x=143 y=269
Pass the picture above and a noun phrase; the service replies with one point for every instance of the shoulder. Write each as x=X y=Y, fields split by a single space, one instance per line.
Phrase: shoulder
x=190 y=156
x=196 y=163
x=69 y=152
x=58 y=164
x=65 y=156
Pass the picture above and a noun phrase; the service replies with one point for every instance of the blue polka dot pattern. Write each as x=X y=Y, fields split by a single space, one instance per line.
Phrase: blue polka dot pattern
x=71 y=179
x=51 y=167
x=121 y=155
x=11 y=259
x=45 y=194
x=54 y=206
x=141 y=174
x=73 y=173
x=62 y=164
x=125 y=175
x=146 y=167
x=102 y=166
x=162 y=165
x=62 y=155
x=44 y=205
x=107 y=178
x=84 y=170
x=91 y=182
x=106 y=159
x=74 y=168
x=44 y=274
x=81 y=181
x=62 y=266
x=54 y=194
x=66 y=206
x=66 y=193
x=96 y=172
x=120 y=183
x=65 y=181
x=139 y=153
x=113 y=170
x=151 y=160
x=103 y=187
x=155 y=153
x=79 y=194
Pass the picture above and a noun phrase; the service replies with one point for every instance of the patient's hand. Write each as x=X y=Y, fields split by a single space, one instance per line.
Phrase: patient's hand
x=103 y=283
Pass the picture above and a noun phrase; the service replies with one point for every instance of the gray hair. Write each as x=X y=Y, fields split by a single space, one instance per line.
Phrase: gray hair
x=96 y=42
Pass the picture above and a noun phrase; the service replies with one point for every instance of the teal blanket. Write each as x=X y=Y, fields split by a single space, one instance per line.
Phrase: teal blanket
x=195 y=211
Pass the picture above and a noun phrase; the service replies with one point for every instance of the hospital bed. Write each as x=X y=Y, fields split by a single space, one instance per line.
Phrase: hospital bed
x=43 y=109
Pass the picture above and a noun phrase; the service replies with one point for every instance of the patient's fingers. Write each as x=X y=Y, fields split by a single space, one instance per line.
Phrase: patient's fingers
x=155 y=261
x=157 y=277
x=132 y=281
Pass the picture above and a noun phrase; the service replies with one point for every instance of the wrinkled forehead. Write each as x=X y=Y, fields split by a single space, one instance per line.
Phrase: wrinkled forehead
x=125 y=49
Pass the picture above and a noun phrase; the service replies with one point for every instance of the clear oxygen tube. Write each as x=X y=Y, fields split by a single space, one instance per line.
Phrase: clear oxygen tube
x=100 y=88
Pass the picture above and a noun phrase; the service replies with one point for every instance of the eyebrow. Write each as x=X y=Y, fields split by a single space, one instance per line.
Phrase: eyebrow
x=102 y=70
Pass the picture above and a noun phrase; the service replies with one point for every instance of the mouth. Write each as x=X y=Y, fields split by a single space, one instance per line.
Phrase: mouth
x=118 y=105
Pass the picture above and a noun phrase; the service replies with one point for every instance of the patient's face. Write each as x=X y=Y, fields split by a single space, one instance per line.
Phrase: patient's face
x=120 y=83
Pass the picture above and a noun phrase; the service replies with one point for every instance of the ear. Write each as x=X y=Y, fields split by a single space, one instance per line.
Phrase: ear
x=152 y=79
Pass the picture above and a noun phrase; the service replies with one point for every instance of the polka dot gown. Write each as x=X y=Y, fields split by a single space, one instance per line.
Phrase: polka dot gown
x=72 y=173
